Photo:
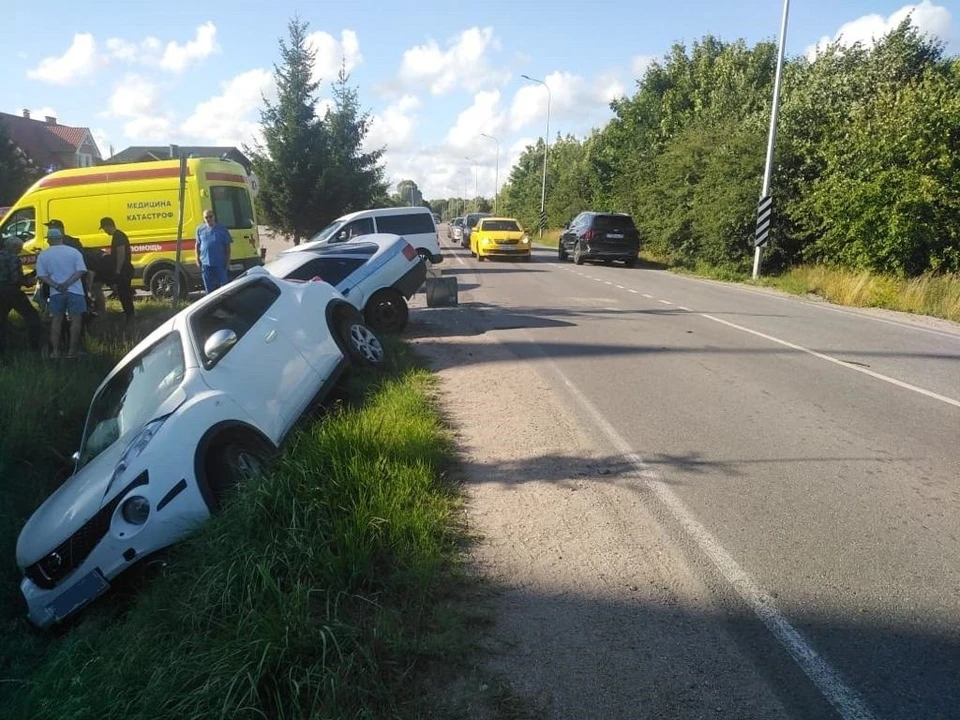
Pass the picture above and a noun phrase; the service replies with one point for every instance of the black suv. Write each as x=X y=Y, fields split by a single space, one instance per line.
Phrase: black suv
x=469 y=223
x=600 y=236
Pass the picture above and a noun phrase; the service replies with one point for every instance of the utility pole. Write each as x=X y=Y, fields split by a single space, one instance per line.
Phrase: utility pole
x=772 y=139
x=546 y=144
x=496 y=176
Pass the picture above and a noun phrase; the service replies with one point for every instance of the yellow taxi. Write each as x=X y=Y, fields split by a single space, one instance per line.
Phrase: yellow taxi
x=499 y=237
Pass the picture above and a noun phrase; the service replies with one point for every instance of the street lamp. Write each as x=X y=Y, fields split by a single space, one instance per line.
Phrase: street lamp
x=546 y=142
x=476 y=184
x=772 y=139
x=496 y=177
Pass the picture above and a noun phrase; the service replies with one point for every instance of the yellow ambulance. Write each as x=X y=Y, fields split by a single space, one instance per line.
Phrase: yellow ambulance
x=143 y=199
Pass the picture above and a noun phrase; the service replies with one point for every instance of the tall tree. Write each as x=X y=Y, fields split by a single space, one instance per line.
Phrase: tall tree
x=17 y=172
x=290 y=161
x=352 y=177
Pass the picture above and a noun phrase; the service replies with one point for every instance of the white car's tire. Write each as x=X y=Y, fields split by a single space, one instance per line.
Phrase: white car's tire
x=387 y=312
x=235 y=457
x=364 y=346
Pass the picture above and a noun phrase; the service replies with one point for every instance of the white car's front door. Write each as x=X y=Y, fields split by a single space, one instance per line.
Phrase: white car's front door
x=263 y=372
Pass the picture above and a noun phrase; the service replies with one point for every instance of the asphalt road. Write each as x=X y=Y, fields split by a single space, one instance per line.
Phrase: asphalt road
x=805 y=457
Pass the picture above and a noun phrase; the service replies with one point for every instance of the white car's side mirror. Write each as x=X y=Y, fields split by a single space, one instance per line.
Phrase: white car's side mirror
x=217 y=344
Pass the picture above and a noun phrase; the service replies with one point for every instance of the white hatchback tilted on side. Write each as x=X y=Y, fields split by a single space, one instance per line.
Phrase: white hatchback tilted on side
x=192 y=411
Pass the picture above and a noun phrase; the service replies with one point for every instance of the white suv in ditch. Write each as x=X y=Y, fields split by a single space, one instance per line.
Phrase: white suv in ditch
x=196 y=408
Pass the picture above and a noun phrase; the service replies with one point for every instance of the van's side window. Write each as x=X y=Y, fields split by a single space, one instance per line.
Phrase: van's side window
x=232 y=206
x=409 y=224
x=21 y=224
x=360 y=226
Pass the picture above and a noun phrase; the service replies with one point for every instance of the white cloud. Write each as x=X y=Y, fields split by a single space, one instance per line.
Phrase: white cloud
x=640 y=64
x=570 y=96
x=395 y=127
x=230 y=118
x=137 y=100
x=177 y=58
x=147 y=51
x=930 y=19
x=463 y=64
x=330 y=52
x=78 y=62
x=483 y=116
x=41 y=113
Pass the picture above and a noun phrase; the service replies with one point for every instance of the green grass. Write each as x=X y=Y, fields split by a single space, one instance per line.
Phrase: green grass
x=934 y=295
x=327 y=589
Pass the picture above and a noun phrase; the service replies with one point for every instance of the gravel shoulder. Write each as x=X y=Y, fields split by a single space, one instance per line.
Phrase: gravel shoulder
x=596 y=613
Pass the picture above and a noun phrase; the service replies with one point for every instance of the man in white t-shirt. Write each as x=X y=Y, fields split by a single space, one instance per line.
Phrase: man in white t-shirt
x=61 y=267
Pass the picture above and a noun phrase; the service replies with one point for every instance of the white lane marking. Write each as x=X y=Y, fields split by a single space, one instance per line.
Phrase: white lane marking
x=837 y=361
x=620 y=287
x=665 y=302
x=820 y=305
x=823 y=675
x=648 y=297
x=635 y=292
x=685 y=309
x=607 y=282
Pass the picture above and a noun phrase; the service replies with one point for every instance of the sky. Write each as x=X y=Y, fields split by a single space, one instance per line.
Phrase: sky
x=436 y=78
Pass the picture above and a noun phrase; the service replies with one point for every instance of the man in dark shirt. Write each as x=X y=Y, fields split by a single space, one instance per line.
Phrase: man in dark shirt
x=122 y=264
x=12 y=297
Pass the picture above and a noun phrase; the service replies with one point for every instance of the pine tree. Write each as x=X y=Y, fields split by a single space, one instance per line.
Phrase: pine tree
x=17 y=172
x=291 y=159
x=353 y=178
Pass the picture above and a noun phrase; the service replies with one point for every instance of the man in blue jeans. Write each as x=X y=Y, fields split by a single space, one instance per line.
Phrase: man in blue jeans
x=213 y=252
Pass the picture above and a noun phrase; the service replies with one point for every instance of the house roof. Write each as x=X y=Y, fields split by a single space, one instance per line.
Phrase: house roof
x=136 y=153
x=43 y=141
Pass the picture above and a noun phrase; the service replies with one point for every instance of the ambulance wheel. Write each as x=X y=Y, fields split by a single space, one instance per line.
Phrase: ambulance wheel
x=162 y=282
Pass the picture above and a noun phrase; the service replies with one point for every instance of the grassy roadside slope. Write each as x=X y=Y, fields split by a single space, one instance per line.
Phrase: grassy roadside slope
x=319 y=592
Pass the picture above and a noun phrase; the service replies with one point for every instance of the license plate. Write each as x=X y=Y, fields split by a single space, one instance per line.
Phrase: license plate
x=85 y=590
x=615 y=236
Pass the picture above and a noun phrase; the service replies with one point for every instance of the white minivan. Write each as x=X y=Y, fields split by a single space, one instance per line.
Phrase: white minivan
x=415 y=224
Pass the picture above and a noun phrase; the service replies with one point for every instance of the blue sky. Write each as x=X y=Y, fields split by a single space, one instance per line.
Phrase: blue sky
x=434 y=75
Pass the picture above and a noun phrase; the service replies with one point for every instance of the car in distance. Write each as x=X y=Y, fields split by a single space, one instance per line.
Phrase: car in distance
x=499 y=237
x=451 y=225
x=195 y=409
x=600 y=236
x=377 y=274
x=416 y=224
x=469 y=221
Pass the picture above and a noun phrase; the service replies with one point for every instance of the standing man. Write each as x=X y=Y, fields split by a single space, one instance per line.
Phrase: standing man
x=213 y=252
x=12 y=297
x=91 y=285
x=60 y=267
x=121 y=265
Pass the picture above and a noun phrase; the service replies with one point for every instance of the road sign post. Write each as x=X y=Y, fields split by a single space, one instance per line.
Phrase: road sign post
x=764 y=221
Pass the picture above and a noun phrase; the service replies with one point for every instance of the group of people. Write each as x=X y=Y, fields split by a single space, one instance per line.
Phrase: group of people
x=71 y=284
x=72 y=278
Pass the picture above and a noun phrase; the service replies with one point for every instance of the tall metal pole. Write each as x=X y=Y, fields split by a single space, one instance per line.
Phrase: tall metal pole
x=178 y=264
x=774 y=114
x=546 y=145
x=496 y=177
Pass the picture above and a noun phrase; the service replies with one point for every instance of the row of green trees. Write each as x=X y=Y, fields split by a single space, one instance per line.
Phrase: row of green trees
x=867 y=169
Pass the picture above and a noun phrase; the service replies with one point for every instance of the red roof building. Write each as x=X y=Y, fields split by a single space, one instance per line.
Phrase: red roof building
x=49 y=145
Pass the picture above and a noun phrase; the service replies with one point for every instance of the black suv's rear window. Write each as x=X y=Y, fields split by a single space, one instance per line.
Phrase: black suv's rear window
x=624 y=223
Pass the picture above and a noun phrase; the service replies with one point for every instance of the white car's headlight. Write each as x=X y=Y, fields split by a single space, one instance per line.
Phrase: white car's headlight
x=138 y=444
x=135 y=510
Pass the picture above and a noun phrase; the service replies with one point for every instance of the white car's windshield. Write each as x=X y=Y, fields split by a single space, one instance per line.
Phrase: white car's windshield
x=132 y=396
x=327 y=232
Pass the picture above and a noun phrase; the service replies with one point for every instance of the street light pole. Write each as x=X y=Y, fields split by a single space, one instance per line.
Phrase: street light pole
x=546 y=144
x=476 y=184
x=772 y=139
x=496 y=176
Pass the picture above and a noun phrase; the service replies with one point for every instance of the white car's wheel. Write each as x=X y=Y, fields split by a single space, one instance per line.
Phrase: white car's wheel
x=363 y=344
x=387 y=312
x=238 y=457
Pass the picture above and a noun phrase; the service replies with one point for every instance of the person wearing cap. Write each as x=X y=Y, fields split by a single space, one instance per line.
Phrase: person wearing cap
x=121 y=265
x=61 y=268
x=213 y=252
x=12 y=282
x=94 y=290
